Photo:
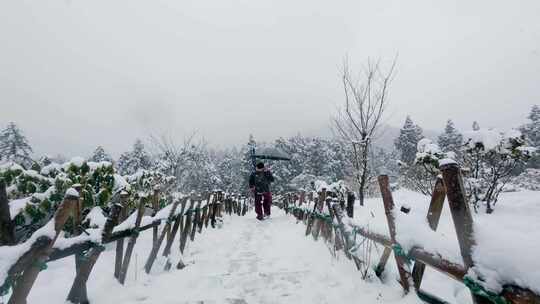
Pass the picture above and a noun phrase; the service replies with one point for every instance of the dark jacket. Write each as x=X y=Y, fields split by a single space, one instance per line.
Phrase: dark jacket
x=261 y=180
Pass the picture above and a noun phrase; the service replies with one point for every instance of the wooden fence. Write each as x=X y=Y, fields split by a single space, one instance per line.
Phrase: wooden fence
x=185 y=217
x=332 y=225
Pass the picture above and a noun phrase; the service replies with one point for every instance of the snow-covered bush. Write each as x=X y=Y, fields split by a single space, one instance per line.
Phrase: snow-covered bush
x=490 y=158
x=36 y=195
x=421 y=175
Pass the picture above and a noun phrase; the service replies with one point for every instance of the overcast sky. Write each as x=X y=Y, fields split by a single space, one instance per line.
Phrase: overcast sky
x=78 y=73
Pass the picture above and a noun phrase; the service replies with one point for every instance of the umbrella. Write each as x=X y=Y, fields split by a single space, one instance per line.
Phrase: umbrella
x=271 y=153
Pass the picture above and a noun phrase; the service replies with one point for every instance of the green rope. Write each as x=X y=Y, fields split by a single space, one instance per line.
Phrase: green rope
x=399 y=251
x=42 y=265
x=8 y=283
x=135 y=232
x=100 y=247
x=477 y=289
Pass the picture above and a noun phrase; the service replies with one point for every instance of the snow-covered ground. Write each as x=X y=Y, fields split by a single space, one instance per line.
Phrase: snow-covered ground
x=246 y=261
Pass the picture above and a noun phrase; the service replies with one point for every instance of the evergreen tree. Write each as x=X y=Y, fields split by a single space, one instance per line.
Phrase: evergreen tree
x=532 y=129
x=14 y=146
x=409 y=136
x=130 y=162
x=229 y=167
x=246 y=163
x=451 y=140
x=475 y=126
x=100 y=155
x=198 y=172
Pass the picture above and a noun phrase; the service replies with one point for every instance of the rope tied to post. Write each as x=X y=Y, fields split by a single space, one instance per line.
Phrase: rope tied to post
x=8 y=284
x=478 y=289
x=399 y=251
x=135 y=232
x=40 y=264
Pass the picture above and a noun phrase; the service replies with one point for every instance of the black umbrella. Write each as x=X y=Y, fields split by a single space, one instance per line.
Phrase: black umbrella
x=271 y=153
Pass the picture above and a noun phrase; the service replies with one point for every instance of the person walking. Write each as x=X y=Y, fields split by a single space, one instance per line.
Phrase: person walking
x=259 y=184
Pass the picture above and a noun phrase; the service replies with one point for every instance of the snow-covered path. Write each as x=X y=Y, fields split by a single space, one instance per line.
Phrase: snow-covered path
x=246 y=261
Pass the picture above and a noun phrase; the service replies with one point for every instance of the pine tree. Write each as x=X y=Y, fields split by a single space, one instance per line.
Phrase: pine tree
x=532 y=130
x=229 y=167
x=247 y=164
x=14 y=146
x=198 y=173
x=100 y=155
x=475 y=126
x=451 y=140
x=130 y=162
x=409 y=136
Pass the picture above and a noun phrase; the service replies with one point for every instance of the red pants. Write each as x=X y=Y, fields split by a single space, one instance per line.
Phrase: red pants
x=263 y=201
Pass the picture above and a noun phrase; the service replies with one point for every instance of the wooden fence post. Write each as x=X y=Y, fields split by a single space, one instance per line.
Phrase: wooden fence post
x=433 y=216
x=186 y=232
x=461 y=215
x=202 y=215
x=345 y=233
x=207 y=210
x=78 y=291
x=311 y=217
x=382 y=262
x=7 y=226
x=41 y=254
x=404 y=275
x=350 y=204
x=131 y=243
x=155 y=207
x=317 y=222
x=196 y=219
x=120 y=243
x=176 y=227
x=155 y=246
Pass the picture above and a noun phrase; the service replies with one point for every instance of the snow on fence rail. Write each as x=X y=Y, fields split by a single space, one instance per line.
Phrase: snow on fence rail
x=185 y=216
x=334 y=227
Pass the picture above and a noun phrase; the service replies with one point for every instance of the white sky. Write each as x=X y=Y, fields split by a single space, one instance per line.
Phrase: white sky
x=78 y=73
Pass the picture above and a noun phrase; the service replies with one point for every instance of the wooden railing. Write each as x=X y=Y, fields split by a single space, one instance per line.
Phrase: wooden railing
x=324 y=217
x=186 y=217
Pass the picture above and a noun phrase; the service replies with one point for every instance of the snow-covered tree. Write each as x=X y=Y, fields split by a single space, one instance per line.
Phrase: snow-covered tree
x=100 y=155
x=491 y=157
x=421 y=176
x=360 y=116
x=451 y=139
x=318 y=158
x=198 y=172
x=229 y=165
x=409 y=136
x=14 y=146
x=531 y=131
x=475 y=126
x=131 y=161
